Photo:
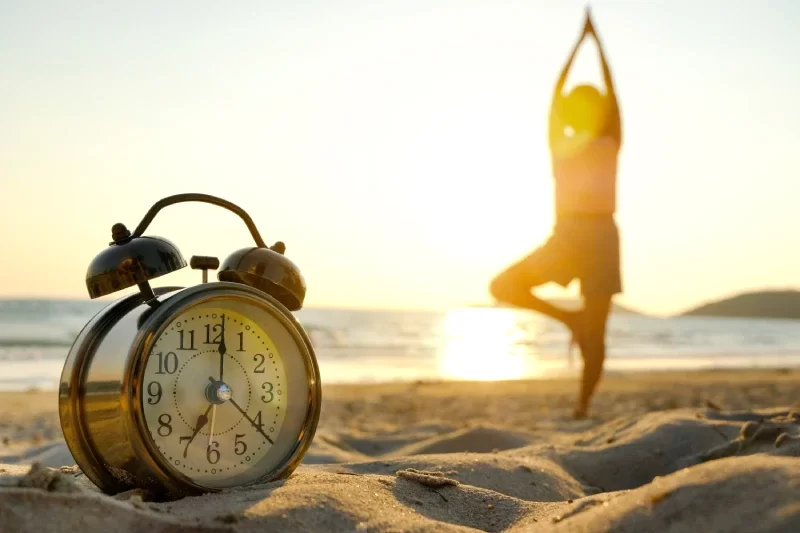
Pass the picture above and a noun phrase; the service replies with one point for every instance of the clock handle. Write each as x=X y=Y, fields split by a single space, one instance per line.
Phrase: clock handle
x=197 y=197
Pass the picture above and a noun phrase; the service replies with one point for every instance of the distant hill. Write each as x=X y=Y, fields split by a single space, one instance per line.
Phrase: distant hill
x=761 y=304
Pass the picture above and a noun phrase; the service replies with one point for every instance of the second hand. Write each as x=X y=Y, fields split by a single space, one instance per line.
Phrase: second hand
x=211 y=430
x=236 y=405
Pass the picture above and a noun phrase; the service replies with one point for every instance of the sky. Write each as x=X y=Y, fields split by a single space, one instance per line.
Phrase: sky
x=397 y=148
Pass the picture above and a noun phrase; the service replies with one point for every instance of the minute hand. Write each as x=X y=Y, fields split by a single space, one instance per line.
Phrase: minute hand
x=236 y=405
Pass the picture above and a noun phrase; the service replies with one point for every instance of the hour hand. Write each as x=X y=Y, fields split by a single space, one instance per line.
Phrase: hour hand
x=202 y=420
x=222 y=350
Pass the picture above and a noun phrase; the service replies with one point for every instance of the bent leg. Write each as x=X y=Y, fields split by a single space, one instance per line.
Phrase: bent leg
x=594 y=320
x=514 y=286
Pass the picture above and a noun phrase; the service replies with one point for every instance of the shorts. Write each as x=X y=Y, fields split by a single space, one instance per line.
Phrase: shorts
x=583 y=247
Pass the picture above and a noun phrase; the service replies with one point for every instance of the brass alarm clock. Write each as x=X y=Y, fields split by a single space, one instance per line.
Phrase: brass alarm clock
x=185 y=390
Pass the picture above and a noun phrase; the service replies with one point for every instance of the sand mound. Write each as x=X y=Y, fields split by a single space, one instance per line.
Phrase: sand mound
x=528 y=478
x=380 y=440
x=631 y=451
x=478 y=440
x=328 y=448
x=754 y=494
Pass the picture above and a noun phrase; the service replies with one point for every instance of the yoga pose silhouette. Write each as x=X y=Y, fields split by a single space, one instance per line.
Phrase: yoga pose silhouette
x=585 y=137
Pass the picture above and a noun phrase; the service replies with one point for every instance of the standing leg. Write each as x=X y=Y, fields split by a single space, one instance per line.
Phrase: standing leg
x=593 y=330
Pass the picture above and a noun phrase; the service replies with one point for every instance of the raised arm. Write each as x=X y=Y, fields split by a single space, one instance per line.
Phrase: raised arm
x=565 y=71
x=556 y=127
x=614 y=126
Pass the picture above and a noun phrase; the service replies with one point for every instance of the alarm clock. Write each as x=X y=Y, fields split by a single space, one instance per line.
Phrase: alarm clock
x=186 y=390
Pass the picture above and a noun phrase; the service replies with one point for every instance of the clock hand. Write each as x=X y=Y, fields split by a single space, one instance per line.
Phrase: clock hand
x=211 y=431
x=222 y=350
x=236 y=405
x=201 y=421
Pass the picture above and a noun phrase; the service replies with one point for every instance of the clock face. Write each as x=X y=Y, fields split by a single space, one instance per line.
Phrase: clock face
x=224 y=393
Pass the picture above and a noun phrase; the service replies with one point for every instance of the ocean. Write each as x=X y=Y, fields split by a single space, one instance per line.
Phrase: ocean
x=480 y=343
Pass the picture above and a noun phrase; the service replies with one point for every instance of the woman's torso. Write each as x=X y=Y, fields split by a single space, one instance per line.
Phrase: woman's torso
x=586 y=177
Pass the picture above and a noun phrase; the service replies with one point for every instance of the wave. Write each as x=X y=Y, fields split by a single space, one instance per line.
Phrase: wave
x=36 y=343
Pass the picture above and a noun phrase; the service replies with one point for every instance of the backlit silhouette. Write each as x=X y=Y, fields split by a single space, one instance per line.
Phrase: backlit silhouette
x=585 y=137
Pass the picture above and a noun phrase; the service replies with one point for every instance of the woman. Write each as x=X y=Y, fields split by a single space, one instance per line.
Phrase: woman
x=585 y=137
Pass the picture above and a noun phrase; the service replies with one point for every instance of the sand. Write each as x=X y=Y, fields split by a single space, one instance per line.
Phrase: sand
x=708 y=451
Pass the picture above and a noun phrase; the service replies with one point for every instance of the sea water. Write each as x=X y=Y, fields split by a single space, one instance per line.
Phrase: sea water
x=358 y=346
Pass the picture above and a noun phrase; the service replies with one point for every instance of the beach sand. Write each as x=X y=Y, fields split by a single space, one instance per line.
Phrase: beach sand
x=701 y=452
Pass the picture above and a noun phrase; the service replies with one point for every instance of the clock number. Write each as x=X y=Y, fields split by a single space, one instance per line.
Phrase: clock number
x=268 y=391
x=260 y=366
x=257 y=422
x=238 y=442
x=167 y=362
x=188 y=442
x=241 y=341
x=191 y=340
x=164 y=427
x=212 y=452
x=209 y=329
x=154 y=390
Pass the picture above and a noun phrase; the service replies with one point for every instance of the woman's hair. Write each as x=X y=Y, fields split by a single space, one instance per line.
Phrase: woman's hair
x=583 y=109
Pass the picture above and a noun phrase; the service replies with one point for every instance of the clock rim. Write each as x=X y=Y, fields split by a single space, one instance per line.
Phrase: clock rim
x=132 y=389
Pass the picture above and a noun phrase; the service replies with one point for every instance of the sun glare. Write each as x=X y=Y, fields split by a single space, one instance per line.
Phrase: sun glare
x=481 y=344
